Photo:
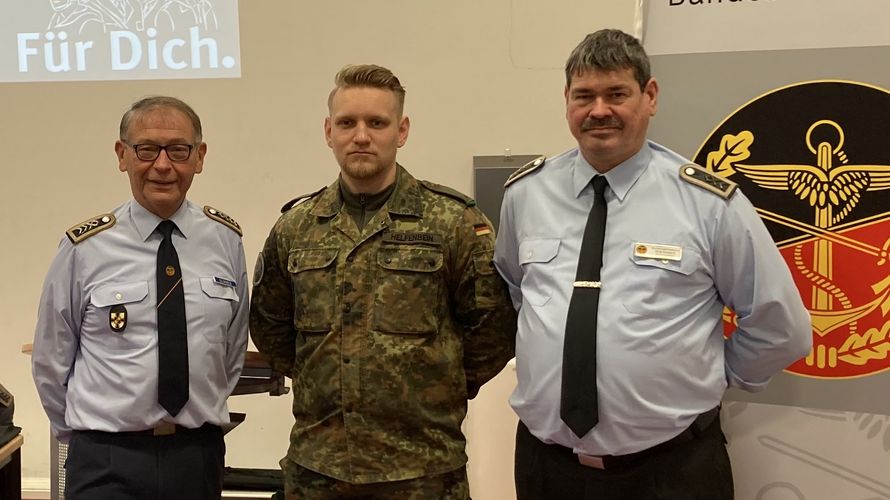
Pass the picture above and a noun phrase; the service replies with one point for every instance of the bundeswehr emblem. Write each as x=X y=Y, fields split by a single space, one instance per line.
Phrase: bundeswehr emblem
x=813 y=158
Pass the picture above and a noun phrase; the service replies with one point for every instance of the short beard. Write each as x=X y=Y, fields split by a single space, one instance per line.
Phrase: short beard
x=363 y=171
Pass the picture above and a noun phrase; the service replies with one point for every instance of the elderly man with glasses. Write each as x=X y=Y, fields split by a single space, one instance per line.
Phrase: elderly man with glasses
x=142 y=324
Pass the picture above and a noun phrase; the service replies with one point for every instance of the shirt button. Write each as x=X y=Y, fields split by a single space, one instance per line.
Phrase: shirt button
x=530 y=254
x=347 y=308
x=346 y=361
x=347 y=287
x=118 y=296
x=388 y=260
x=351 y=258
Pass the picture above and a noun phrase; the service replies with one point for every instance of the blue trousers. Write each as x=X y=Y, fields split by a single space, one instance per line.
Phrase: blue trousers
x=140 y=466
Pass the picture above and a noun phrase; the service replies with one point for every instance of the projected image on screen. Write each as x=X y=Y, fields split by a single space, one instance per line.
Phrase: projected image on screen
x=59 y=40
x=131 y=14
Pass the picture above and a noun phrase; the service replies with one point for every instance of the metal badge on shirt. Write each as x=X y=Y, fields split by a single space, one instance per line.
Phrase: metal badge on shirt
x=117 y=318
x=658 y=251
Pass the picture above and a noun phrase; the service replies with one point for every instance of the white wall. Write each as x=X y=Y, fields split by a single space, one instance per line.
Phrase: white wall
x=481 y=76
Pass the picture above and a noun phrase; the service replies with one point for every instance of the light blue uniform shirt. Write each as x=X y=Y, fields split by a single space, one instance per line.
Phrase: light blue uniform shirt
x=92 y=378
x=661 y=354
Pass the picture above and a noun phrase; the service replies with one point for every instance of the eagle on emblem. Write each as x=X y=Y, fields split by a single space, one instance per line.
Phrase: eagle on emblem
x=840 y=187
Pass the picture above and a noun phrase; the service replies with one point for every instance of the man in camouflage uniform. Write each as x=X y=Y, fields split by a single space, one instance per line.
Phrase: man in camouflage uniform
x=378 y=296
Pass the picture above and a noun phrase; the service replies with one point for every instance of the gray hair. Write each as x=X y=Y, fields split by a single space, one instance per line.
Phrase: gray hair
x=160 y=101
x=609 y=50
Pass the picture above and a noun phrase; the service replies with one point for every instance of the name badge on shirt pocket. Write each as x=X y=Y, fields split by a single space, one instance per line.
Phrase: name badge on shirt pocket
x=217 y=290
x=224 y=282
x=658 y=251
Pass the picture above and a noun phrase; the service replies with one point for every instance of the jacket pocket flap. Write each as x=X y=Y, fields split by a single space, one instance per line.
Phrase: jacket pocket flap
x=305 y=259
x=538 y=250
x=119 y=293
x=423 y=260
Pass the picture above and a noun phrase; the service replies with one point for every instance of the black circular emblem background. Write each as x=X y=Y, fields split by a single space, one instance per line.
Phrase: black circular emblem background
x=851 y=331
x=779 y=121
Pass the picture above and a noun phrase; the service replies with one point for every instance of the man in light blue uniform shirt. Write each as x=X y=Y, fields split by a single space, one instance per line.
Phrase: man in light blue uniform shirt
x=680 y=243
x=96 y=346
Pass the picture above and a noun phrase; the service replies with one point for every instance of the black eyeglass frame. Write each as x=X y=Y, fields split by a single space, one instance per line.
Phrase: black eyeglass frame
x=142 y=149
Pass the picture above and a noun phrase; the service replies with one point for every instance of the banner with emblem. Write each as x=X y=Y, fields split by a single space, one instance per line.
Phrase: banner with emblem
x=821 y=196
x=791 y=100
x=804 y=134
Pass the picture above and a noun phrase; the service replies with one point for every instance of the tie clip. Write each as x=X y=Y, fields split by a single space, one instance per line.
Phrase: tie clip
x=587 y=284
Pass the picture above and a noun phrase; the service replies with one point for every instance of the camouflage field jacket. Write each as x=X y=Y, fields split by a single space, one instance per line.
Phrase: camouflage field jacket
x=386 y=332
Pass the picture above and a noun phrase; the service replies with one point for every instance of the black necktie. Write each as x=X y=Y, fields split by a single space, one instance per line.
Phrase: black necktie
x=173 y=361
x=578 y=403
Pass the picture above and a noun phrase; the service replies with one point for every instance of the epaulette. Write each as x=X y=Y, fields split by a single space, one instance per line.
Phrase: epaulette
x=300 y=199
x=705 y=179
x=90 y=227
x=222 y=219
x=525 y=170
x=451 y=193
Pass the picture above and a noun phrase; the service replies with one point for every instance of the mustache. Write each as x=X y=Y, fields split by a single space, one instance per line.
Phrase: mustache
x=592 y=123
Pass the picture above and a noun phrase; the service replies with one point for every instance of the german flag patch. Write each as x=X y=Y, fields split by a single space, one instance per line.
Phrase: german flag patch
x=481 y=229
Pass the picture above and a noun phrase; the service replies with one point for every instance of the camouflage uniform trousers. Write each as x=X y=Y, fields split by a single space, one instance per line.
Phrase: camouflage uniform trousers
x=301 y=483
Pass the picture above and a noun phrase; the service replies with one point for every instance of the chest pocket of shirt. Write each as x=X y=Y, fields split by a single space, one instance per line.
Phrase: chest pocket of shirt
x=220 y=303
x=313 y=274
x=536 y=258
x=655 y=286
x=408 y=295
x=140 y=315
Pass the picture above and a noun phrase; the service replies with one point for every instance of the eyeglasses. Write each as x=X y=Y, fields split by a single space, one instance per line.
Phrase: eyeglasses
x=150 y=152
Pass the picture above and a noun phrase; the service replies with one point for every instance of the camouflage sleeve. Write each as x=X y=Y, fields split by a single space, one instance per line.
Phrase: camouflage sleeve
x=272 y=305
x=482 y=305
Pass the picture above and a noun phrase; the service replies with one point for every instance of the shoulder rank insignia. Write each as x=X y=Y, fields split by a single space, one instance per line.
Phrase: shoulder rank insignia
x=300 y=199
x=702 y=178
x=451 y=193
x=90 y=227
x=525 y=170
x=222 y=219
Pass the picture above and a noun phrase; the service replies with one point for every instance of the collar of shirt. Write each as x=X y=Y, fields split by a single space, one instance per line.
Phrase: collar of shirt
x=365 y=201
x=406 y=198
x=146 y=222
x=621 y=178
